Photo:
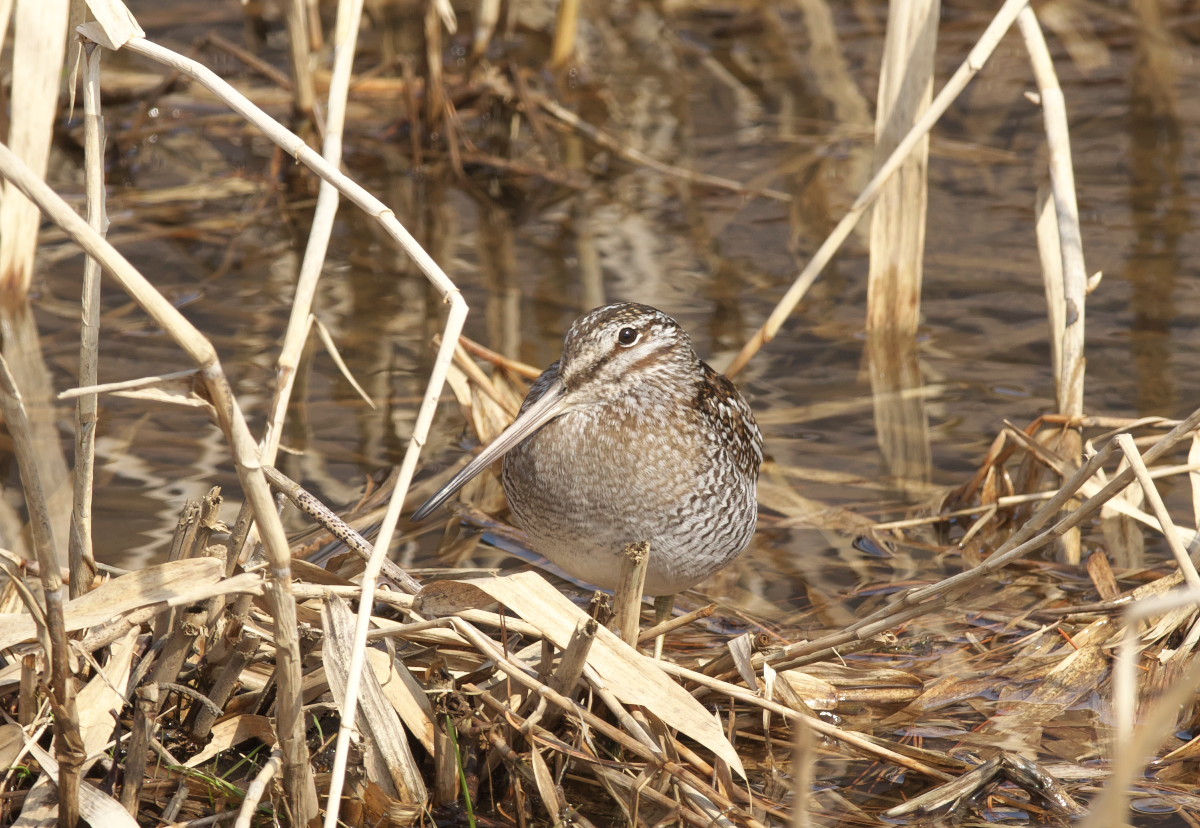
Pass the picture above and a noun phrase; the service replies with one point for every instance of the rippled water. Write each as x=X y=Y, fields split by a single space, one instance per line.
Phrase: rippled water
x=765 y=97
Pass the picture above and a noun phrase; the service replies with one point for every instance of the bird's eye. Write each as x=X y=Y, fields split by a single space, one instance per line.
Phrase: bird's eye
x=628 y=336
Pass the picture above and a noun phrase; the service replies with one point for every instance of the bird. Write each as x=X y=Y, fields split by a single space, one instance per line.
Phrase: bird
x=629 y=437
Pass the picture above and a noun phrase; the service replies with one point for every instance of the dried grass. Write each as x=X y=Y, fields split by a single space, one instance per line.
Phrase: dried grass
x=493 y=698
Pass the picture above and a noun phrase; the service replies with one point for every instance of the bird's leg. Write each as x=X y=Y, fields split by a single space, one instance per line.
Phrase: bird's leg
x=663 y=605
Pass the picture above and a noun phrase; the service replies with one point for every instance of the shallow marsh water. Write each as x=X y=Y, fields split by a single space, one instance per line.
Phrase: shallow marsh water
x=752 y=95
x=777 y=97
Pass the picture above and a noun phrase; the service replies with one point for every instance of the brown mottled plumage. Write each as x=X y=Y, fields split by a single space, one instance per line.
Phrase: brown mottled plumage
x=629 y=437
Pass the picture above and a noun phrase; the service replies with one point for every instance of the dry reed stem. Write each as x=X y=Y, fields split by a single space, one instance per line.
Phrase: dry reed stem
x=631 y=583
x=81 y=558
x=68 y=744
x=1062 y=182
x=1050 y=254
x=1167 y=526
x=233 y=424
x=345 y=44
x=484 y=383
x=672 y=624
x=304 y=96
x=521 y=369
x=257 y=789
x=1070 y=336
x=1194 y=477
x=976 y=58
x=1132 y=746
x=381 y=213
x=566 y=30
x=1029 y=536
x=125 y=385
x=27 y=690
x=37 y=59
x=39 y=49
x=145 y=712
x=435 y=87
x=486 y=14
x=570 y=666
x=327 y=519
x=856 y=741
x=296 y=333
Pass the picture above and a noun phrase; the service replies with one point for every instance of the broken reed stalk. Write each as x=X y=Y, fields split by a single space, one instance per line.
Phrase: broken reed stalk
x=1062 y=182
x=631 y=586
x=81 y=559
x=975 y=60
x=27 y=690
x=570 y=666
x=1070 y=377
x=297 y=771
x=68 y=744
x=243 y=652
x=486 y=14
x=145 y=712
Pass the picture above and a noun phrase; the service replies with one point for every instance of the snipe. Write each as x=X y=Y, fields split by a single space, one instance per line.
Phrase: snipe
x=629 y=437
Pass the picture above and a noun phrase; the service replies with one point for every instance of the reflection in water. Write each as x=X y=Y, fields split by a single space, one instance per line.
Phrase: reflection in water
x=898 y=222
x=1158 y=206
x=546 y=223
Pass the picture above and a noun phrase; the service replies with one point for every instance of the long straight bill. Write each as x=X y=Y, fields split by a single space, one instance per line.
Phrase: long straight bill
x=550 y=405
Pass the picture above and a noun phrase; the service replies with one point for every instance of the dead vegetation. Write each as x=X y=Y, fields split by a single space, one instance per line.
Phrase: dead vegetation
x=244 y=681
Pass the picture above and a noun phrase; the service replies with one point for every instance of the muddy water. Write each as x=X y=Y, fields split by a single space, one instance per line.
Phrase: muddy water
x=776 y=98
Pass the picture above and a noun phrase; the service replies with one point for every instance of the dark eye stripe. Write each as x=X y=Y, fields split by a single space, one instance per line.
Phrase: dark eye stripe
x=650 y=357
x=592 y=370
